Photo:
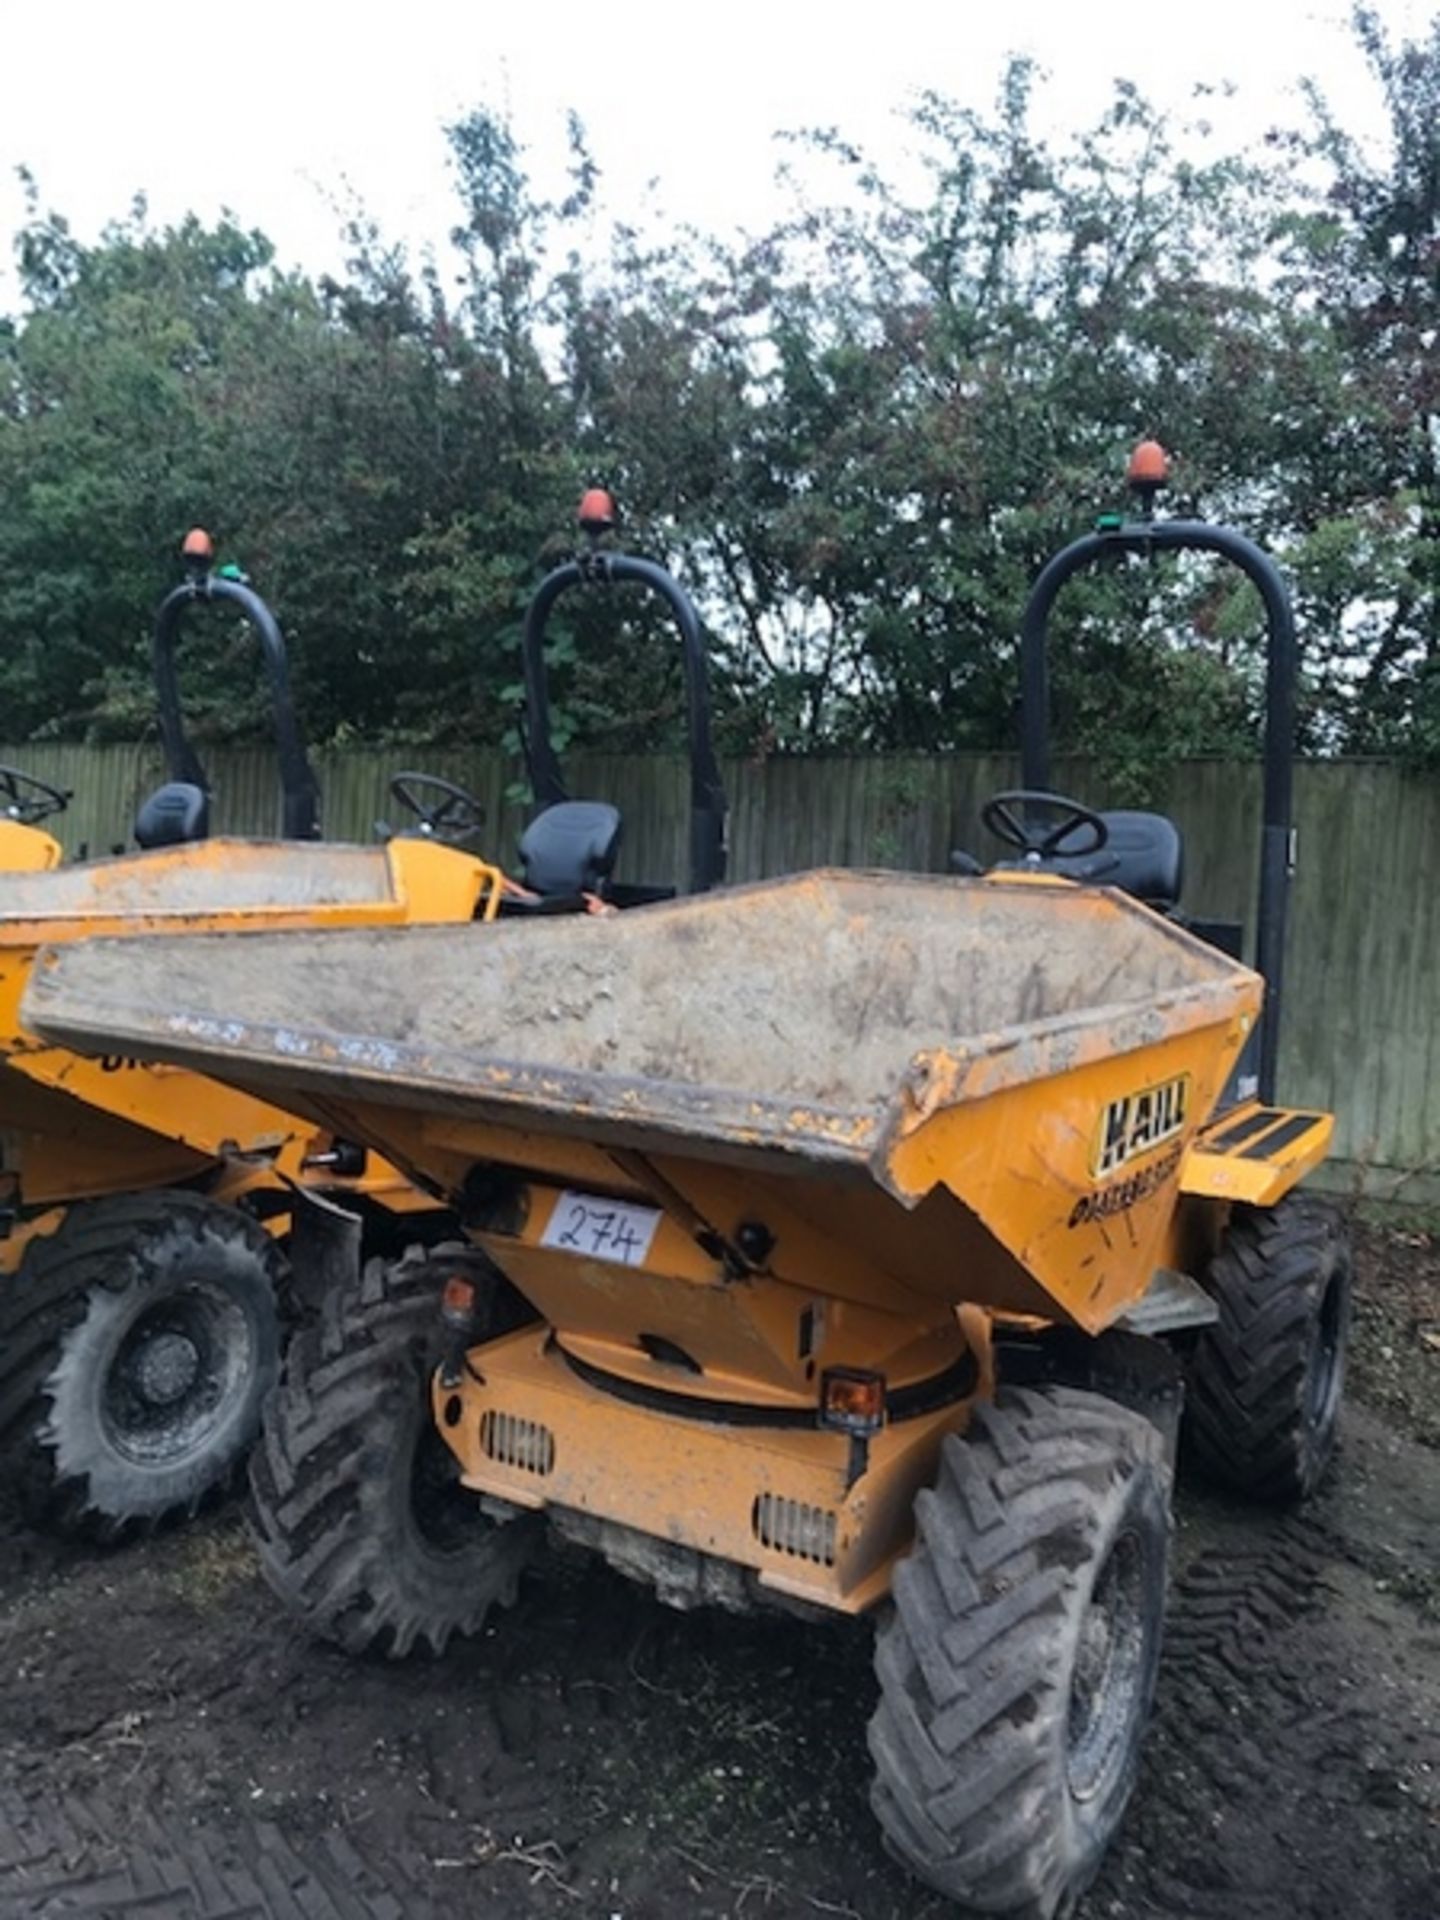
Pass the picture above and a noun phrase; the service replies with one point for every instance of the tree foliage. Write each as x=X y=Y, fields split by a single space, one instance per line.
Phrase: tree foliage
x=856 y=438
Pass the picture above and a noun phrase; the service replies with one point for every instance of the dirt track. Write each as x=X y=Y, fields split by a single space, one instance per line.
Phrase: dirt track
x=170 y=1746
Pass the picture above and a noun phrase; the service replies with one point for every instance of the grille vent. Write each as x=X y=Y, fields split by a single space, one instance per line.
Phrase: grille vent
x=789 y=1526
x=513 y=1442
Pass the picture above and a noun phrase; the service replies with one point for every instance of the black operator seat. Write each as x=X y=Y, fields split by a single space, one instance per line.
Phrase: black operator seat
x=173 y=815
x=1144 y=856
x=571 y=848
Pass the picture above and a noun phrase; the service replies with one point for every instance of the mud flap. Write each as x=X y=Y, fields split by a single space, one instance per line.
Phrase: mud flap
x=325 y=1248
x=1136 y=1370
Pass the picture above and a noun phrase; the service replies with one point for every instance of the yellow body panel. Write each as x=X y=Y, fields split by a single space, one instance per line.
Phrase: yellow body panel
x=727 y=1145
x=762 y=1338
x=913 y=1076
x=1256 y=1154
x=74 y=1126
x=27 y=849
x=775 y=1501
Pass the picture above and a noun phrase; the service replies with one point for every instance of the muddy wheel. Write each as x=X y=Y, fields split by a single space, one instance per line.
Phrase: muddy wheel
x=1017 y=1664
x=137 y=1345
x=362 y=1526
x=1266 y=1379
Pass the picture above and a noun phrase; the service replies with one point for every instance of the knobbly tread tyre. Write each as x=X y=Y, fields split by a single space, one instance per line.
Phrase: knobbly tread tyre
x=1249 y=1419
x=975 y=1657
x=106 y=1254
x=80 y=1859
x=330 y=1480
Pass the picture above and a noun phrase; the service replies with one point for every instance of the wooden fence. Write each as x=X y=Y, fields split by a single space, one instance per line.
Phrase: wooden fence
x=1362 y=1030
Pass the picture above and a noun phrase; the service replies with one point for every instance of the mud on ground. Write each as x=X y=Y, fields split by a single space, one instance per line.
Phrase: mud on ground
x=170 y=1745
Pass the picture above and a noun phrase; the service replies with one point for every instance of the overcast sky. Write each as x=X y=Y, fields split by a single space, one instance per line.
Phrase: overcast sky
x=275 y=110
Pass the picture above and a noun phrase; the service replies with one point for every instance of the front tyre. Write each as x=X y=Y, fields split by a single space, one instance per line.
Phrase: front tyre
x=361 y=1525
x=137 y=1345
x=1266 y=1379
x=1017 y=1665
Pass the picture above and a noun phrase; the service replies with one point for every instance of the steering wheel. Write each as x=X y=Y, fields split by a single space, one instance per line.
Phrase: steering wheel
x=1033 y=838
x=450 y=815
x=26 y=799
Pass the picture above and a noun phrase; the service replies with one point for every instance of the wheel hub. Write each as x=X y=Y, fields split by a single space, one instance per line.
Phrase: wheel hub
x=164 y=1369
x=1105 y=1681
x=1092 y=1658
x=1323 y=1374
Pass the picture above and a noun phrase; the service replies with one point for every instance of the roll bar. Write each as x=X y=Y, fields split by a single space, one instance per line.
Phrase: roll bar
x=299 y=788
x=1145 y=536
x=708 y=809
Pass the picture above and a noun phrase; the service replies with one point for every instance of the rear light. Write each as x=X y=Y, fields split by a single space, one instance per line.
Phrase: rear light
x=461 y=1321
x=457 y=1301
x=851 y=1400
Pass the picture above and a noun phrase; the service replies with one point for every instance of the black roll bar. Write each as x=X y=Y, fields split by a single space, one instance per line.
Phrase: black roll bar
x=300 y=789
x=708 y=808
x=1277 y=844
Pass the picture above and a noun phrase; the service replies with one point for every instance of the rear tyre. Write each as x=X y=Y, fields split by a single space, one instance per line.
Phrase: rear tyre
x=1017 y=1664
x=1266 y=1379
x=137 y=1345
x=362 y=1526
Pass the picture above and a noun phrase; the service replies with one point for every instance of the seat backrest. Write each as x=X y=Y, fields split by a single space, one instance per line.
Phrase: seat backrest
x=173 y=815
x=1144 y=856
x=571 y=847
